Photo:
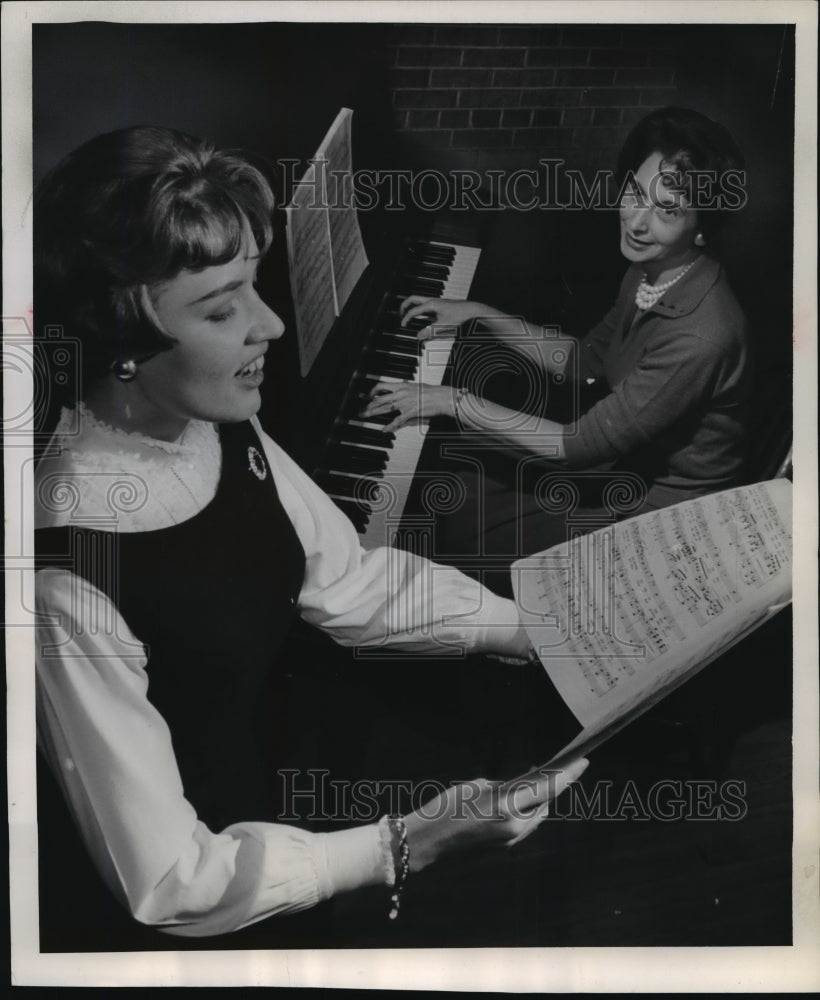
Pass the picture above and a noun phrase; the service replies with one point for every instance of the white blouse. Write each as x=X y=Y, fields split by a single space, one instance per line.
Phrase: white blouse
x=111 y=749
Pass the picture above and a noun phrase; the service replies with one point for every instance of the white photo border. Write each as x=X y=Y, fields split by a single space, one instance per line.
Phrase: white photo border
x=777 y=969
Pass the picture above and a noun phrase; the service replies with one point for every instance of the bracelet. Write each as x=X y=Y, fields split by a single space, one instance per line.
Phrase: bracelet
x=401 y=861
x=460 y=394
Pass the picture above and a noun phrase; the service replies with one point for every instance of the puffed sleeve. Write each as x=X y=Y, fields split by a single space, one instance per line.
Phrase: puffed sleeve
x=111 y=753
x=383 y=596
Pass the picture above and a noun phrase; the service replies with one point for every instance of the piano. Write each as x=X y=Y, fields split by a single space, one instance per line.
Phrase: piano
x=366 y=471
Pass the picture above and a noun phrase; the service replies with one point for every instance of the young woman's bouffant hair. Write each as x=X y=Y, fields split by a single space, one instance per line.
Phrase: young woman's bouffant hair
x=691 y=143
x=127 y=210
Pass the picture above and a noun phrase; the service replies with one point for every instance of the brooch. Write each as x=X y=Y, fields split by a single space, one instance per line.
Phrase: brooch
x=256 y=463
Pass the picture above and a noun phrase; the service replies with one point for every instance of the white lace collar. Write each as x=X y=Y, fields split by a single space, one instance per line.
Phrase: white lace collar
x=79 y=424
x=96 y=473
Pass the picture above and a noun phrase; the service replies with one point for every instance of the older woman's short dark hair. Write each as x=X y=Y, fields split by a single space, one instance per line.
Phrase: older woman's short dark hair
x=125 y=211
x=692 y=144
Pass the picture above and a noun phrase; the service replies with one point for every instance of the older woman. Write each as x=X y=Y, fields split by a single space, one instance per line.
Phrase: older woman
x=671 y=354
x=177 y=542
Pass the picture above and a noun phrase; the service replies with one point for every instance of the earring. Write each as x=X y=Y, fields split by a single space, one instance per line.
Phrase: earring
x=125 y=371
x=700 y=241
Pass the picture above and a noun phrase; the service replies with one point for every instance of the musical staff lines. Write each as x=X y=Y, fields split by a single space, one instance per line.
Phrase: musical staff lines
x=642 y=602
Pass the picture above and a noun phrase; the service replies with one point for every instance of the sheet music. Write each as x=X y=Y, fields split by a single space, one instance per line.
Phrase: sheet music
x=310 y=266
x=347 y=250
x=326 y=256
x=621 y=616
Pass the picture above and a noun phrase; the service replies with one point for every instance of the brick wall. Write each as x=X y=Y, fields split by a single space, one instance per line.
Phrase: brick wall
x=508 y=94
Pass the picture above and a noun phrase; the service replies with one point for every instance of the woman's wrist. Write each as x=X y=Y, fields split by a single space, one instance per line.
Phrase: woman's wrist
x=352 y=858
x=456 y=399
x=481 y=311
x=522 y=646
x=423 y=841
x=518 y=651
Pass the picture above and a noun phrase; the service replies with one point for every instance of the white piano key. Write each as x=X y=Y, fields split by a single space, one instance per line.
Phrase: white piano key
x=405 y=449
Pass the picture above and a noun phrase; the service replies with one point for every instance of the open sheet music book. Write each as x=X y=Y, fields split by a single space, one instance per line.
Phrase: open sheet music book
x=622 y=616
x=326 y=256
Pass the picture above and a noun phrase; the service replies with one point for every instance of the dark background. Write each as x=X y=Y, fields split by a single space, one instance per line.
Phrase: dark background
x=500 y=97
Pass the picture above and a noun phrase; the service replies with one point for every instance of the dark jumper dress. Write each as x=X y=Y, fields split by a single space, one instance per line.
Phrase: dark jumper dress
x=213 y=599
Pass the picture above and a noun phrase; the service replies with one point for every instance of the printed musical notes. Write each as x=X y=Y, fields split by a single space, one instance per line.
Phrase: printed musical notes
x=326 y=256
x=310 y=267
x=647 y=602
x=346 y=247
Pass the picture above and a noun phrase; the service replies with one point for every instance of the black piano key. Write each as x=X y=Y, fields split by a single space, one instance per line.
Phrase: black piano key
x=416 y=324
x=389 y=325
x=419 y=286
x=361 y=385
x=388 y=373
x=362 y=460
x=349 y=487
x=366 y=435
x=355 y=467
x=387 y=340
x=411 y=329
x=385 y=365
x=357 y=471
x=378 y=418
x=354 y=451
x=340 y=461
x=391 y=369
x=357 y=456
x=434 y=272
x=354 y=472
x=444 y=261
x=401 y=352
x=434 y=260
x=358 y=513
x=365 y=487
x=376 y=360
x=397 y=299
x=426 y=251
x=396 y=333
x=404 y=346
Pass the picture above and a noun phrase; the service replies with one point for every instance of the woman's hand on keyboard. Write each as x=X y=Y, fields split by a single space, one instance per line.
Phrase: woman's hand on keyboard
x=410 y=401
x=443 y=316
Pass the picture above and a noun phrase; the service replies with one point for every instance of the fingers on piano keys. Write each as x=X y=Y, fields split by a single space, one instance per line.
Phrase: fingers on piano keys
x=367 y=471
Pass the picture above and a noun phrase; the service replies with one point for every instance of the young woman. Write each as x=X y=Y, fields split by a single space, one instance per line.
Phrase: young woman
x=177 y=543
x=671 y=356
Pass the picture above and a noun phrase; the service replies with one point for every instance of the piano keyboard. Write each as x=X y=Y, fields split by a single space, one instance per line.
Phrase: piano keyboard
x=369 y=473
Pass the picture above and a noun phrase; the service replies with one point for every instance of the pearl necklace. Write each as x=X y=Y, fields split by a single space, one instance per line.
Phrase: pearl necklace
x=647 y=295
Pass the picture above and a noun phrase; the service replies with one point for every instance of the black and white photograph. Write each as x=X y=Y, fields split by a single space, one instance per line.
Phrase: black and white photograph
x=410 y=488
